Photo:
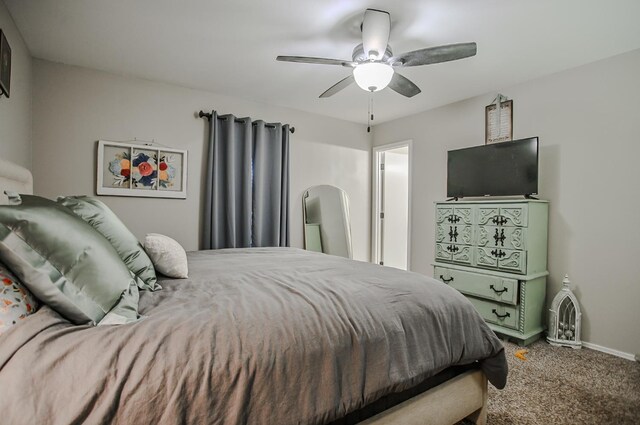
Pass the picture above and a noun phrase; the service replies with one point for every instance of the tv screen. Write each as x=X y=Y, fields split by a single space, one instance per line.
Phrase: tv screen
x=499 y=169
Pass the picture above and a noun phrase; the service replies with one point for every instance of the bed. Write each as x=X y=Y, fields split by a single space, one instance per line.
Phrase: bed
x=268 y=335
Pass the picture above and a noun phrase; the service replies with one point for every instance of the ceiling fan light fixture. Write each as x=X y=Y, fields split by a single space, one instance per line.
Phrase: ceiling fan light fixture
x=373 y=76
x=373 y=62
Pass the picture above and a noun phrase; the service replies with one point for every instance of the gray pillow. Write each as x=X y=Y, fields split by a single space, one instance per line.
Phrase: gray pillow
x=105 y=221
x=62 y=260
x=126 y=310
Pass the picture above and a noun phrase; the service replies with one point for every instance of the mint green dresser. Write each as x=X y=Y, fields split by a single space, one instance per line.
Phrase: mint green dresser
x=495 y=253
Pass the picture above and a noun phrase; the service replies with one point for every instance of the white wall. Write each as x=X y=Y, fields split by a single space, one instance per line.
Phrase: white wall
x=15 y=112
x=588 y=121
x=75 y=107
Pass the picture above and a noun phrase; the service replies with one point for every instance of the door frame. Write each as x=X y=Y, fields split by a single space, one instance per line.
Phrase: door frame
x=375 y=196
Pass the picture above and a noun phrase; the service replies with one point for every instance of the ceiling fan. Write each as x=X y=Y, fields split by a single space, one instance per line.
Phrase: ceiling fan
x=374 y=65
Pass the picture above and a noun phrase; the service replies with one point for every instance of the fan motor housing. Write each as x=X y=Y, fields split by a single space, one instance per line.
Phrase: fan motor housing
x=359 y=56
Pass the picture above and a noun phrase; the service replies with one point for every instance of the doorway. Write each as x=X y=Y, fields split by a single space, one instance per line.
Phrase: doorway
x=391 y=242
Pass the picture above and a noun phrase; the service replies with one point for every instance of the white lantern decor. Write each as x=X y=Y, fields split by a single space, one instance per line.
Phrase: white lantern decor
x=564 y=318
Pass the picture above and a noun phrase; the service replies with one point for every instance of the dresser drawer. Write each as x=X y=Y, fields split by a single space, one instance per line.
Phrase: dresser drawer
x=503 y=237
x=448 y=233
x=496 y=313
x=493 y=288
x=515 y=261
x=516 y=214
x=454 y=215
x=511 y=215
x=443 y=213
x=501 y=259
x=453 y=253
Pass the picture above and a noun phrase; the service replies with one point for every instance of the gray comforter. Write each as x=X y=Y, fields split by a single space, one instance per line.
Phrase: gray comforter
x=257 y=336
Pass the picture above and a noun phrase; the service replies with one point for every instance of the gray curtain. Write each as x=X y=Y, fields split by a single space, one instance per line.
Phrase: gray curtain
x=247 y=184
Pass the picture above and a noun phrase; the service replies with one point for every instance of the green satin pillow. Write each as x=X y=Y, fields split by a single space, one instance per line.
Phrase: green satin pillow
x=105 y=221
x=64 y=261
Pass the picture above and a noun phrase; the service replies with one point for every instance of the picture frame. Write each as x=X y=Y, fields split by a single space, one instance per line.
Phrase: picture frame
x=499 y=127
x=5 y=65
x=127 y=169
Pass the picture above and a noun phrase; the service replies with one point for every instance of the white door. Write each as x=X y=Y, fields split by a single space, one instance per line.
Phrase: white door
x=392 y=207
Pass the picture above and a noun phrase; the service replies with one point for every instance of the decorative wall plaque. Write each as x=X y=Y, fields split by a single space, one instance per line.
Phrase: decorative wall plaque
x=499 y=121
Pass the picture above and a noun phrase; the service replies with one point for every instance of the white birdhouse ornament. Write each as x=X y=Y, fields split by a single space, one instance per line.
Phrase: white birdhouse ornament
x=565 y=318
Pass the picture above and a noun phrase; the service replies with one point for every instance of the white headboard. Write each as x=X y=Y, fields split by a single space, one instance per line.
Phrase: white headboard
x=14 y=178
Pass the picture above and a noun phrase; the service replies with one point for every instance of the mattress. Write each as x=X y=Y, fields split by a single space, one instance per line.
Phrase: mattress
x=254 y=336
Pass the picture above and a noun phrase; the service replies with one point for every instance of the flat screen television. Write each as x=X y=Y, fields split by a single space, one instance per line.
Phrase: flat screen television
x=499 y=169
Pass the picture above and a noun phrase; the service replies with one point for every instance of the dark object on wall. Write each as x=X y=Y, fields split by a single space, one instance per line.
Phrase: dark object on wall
x=5 y=65
x=499 y=169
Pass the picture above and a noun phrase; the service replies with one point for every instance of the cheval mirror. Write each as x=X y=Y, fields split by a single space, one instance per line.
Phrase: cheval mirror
x=327 y=228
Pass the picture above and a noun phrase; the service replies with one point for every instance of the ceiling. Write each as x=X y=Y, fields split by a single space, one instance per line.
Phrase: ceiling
x=229 y=47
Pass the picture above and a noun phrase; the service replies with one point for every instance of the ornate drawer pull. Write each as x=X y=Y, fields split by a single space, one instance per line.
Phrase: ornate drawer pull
x=500 y=316
x=498 y=291
x=499 y=220
x=453 y=234
x=446 y=280
x=453 y=248
x=453 y=219
x=498 y=253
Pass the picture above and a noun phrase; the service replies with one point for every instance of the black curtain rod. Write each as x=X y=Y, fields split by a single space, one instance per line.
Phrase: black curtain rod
x=207 y=115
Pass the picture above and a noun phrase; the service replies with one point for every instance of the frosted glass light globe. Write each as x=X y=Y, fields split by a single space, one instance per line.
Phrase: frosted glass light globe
x=373 y=76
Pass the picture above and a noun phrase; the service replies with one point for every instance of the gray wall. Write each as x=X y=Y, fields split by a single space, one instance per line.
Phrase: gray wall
x=15 y=112
x=75 y=107
x=588 y=121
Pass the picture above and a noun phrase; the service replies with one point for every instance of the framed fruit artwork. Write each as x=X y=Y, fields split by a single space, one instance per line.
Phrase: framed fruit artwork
x=126 y=169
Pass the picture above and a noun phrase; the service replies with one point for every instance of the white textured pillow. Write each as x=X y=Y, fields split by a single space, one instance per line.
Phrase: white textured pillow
x=167 y=255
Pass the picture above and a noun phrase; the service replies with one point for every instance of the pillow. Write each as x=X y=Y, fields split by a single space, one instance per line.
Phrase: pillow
x=63 y=261
x=167 y=255
x=16 y=302
x=105 y=221
x=126 y=311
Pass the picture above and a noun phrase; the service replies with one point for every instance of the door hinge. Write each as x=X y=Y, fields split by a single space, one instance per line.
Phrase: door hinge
x=382 y=166
x=381 y=215
x=382 y=263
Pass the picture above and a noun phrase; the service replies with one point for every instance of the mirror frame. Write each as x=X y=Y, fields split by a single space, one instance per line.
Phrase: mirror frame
x=347 y=216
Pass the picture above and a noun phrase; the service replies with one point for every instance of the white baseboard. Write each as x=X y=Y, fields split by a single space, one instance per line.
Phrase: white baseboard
x=617 y=353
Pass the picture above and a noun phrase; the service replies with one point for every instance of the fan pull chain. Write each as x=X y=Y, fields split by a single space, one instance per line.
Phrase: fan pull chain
x=370 y=114
x=371 y=108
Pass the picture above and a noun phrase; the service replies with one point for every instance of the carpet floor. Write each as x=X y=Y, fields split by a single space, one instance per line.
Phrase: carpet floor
x=557 y=385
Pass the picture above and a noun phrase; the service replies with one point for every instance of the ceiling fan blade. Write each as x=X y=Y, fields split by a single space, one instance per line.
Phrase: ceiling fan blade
x=403 y=85
x=437 y=54
x=376 y=25
x=338 y=86
x=320 y=61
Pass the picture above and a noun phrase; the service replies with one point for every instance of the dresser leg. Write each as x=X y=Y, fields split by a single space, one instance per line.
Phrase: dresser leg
x=519 y=341
x=529 y=340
